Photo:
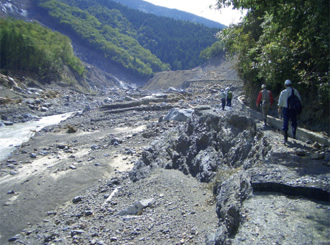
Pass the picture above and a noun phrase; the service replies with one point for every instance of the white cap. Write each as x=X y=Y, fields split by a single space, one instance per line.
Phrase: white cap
x=287 y=83
x=263 y=86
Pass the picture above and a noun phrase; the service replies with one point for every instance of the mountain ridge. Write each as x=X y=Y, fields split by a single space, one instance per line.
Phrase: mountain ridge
x=170 y=12
x=163 y=40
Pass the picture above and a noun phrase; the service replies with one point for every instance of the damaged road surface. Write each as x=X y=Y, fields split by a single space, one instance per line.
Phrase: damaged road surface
x=119 y=173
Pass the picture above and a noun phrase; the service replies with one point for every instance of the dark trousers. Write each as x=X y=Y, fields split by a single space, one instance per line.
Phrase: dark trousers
x=228 y=102
x=289 y=115
x=223 y=103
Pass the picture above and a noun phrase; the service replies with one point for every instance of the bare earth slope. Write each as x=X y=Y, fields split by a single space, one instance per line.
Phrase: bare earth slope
x=217 y=70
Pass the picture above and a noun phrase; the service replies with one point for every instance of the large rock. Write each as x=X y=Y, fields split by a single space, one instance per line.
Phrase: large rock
x=181 y=115
x=137 y=207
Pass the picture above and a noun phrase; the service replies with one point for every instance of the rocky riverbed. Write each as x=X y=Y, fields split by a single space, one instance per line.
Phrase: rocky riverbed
x=124 y=170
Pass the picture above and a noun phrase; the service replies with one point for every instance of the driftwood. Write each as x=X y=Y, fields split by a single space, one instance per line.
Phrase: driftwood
x=147 y=103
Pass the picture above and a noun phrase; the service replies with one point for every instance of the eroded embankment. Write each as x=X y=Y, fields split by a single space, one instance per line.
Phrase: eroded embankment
x=241 y=162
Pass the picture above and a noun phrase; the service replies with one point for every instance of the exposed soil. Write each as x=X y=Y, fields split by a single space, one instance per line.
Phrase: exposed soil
x=71 y=183
x=43 y=176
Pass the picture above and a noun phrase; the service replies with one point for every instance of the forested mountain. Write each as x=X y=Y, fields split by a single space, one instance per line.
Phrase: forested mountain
x=167 y=12
x=141 y=43
x=31 y=48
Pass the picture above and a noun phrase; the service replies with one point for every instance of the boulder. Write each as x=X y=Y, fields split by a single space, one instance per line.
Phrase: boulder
x=137 y=207
x=181 y=115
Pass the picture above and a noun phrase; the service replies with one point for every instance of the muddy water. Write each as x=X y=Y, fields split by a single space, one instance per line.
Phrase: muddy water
x=15 y=135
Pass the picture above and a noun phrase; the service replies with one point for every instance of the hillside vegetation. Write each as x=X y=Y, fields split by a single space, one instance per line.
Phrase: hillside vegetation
x=279 y=40
x=31 y=48
x=140 y=43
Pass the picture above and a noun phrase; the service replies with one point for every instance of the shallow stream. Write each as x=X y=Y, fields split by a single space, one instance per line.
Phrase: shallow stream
x=13 y=136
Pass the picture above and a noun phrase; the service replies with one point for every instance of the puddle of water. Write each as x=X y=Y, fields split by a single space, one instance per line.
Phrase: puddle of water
x=15 y=135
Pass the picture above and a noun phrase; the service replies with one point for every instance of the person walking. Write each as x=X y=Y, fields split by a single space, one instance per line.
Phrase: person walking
x=265 y=98
x=223 y=99
x=288 y=113
x=229 y=95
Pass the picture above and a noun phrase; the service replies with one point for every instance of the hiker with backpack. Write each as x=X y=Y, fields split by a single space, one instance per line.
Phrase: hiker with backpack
x=265 y=98
x=229 y=95
x=290 y=105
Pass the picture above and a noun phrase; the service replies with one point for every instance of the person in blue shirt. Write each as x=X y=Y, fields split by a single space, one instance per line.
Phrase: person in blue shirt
x=223 y=99
x=288 y=114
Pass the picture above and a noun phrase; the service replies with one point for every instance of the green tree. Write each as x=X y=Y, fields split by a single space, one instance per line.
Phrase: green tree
x=32 y=48
x=283 y=39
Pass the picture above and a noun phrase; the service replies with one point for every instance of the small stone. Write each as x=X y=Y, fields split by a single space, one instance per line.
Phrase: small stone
x=88 y=213
x=43 y=109
x=76 y=232
x=33 y=155
x=60 y=146
x=12 y=173
x=14 y=238
x=77 y=199
x=113 y=239
x=115 y=182
x=8 y=123
x=95 y=147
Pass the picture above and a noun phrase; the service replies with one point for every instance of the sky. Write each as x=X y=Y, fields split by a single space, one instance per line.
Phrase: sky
x=202 y=8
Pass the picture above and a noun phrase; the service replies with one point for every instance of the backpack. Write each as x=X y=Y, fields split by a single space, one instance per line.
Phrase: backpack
x=294 y=103
x=265 y=95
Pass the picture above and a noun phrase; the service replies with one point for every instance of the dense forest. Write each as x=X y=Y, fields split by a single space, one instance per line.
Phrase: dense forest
x=29 y=47
x=140 y=42
x=279 y=40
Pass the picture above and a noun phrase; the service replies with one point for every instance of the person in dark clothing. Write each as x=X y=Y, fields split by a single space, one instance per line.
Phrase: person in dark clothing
x=288 y=114
x=223 y=99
